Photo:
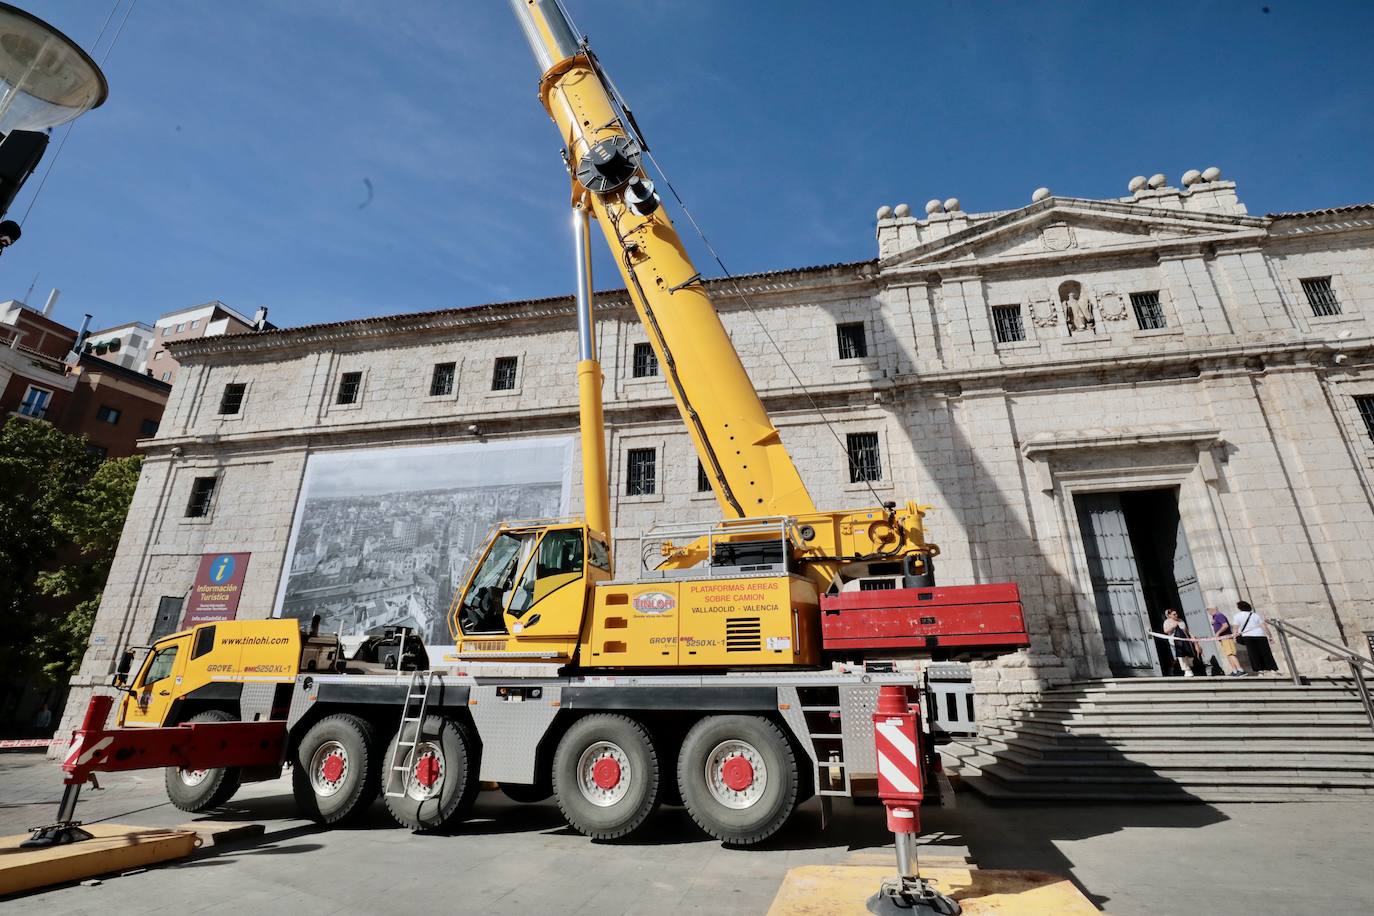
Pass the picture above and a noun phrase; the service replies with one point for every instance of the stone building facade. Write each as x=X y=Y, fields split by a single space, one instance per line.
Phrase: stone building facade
x=1119 y=404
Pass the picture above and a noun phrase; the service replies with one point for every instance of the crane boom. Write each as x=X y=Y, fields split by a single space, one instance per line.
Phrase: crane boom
x=740 y=449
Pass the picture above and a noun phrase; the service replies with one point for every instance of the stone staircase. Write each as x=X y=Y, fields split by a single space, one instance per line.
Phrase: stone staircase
x=1208 y=739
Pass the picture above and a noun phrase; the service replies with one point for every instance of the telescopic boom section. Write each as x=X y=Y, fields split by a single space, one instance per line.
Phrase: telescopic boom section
x=740 y=449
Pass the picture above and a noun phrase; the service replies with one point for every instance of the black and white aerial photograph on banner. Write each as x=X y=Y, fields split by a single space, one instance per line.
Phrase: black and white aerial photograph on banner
x=383 y=537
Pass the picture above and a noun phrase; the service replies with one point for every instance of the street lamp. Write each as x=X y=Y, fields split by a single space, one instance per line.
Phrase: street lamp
x=45 y=80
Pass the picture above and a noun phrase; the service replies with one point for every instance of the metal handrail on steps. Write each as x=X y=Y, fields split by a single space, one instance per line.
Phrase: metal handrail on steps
x=1352 y=658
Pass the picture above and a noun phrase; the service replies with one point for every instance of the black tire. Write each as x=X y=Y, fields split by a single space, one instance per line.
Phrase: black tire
x=201 y=790
x=621 y=808
x=767 y=768
x=446 y=757
x=334 y=771
x=527 y=794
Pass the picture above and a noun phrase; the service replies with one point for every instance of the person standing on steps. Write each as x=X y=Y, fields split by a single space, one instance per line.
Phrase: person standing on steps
x=1226 y=641
x=1254 y=636
x=1181 y=642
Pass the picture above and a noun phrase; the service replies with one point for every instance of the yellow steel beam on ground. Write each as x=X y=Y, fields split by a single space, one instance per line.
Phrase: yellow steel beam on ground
x=840 y=890
x=113 y=848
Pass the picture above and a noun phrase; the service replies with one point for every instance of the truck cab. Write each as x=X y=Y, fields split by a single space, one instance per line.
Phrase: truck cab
x=208 y=667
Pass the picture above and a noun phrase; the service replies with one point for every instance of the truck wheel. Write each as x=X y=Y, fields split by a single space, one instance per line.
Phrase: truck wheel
x=441 y=783
x=527 y=794
x=201 y=790
x=738 y=778
x=334 y=772
x=605 y=776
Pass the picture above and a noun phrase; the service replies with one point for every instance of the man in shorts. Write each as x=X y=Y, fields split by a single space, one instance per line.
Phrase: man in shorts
x=1226 y=641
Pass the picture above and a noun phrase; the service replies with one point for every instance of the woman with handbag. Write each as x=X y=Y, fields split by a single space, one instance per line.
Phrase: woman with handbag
x=1253 y=634
x=1184 y=646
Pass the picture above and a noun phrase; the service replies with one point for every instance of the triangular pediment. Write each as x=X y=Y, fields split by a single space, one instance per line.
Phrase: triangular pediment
x=1065 y=226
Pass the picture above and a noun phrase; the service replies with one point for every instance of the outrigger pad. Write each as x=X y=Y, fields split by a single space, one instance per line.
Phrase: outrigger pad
x=912 y=897
x=56 y=835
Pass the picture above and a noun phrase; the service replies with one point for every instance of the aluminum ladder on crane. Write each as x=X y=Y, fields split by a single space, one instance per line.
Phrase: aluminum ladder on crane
x=407 y=740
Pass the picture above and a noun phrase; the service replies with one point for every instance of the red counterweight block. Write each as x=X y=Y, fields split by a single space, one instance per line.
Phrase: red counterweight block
x=897 y=734
x=963 y=619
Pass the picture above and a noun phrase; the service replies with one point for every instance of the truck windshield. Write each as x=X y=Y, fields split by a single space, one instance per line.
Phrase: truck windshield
x=483 y=603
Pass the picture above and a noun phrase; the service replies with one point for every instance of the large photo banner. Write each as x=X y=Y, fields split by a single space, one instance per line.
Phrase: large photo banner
x=384 y=536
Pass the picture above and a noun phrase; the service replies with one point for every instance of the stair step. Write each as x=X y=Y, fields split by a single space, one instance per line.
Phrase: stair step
x=1347 y=752
x=1167 y=766
x=995 y=791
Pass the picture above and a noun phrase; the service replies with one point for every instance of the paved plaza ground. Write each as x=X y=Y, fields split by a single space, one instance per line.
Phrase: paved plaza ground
x=1311 y=857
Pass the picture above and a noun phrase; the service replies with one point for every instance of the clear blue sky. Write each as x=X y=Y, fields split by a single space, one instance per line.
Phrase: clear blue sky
x=230 y=159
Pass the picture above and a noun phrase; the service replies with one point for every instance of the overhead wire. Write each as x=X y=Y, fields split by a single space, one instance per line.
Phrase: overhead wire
x=52 y=163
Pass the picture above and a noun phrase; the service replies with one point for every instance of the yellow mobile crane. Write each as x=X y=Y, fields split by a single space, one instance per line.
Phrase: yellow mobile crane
x=544 y=591
x=738 y=675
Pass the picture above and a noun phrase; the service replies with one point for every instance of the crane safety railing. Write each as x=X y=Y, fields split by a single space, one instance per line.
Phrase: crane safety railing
x=1359 y=665
x=781 y=529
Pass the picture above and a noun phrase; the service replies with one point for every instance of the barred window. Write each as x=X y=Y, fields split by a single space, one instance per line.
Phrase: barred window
x=853 y=341
x=350 y=383
x=865 y=461
x=1006 y=321
x=703 y=482
x=202 y=492
x=232 y=400
x=641 y=472
x=1364 y=403
x=503 y=375
x=441 y=382
x=1321 y=297
x=1149 y=313
x=645 y=361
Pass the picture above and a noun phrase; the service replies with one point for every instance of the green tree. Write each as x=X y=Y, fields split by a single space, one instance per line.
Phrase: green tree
x=43 y=473
x=92 y=524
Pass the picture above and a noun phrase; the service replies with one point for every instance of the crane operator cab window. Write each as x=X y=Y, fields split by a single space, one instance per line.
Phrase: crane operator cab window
x=557 y=562
x=492 y=584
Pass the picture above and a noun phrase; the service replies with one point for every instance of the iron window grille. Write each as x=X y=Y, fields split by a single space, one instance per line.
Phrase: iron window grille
x=703 y=482
x=1006 y=321
x=1321 y=297
x=645 y=363
x=441 y=383
x=107 y=414
x=1364 y=403
x=202 y=492
x=641 y=470
x=1149 y=313
x=350 y=384
x=853 y=340
x=865 y=460
x=503 y=375
x=232 y=400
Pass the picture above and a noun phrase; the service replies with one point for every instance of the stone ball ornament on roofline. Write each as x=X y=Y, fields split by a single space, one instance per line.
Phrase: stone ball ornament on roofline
x=1211 y=173
x=884 y=212
x=902 y=211
x=1040 y=194
x=1137 y=183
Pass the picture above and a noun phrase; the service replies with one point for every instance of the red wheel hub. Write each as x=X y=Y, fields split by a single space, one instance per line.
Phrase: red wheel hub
x=333 y=767
x=427 y=770
x=606 y=773
x=737 y=773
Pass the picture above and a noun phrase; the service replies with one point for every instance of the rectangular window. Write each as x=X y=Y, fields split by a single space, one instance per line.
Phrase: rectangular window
x=180 y=326
x=35 y=403
x=98 y=451
x=865 y=461
x=441 y=382
x=232 y=399
x=703 y=482
x=1364 y=403
x=147 y=429
x=1006 y=321
x=168 y=617
x=166 y=375
x=107 y=414
x=503 y=374
x=641 y=472
x=202 y=492
x=1321 y=296
x=1149 y=314
x=195 y=324
x=853 y=341
x=645 y=361
x=350 y=383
